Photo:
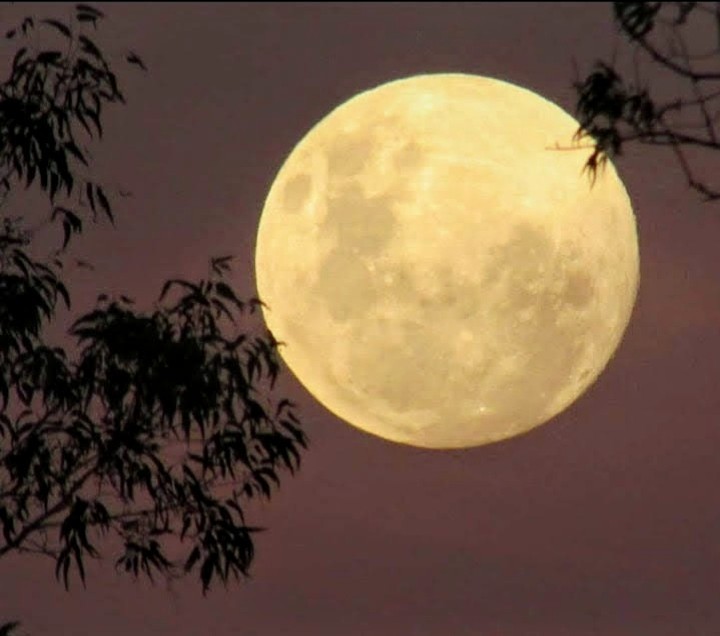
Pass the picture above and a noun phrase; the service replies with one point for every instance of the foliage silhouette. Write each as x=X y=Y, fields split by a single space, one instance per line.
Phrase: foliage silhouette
x=155 y=434
x=614 y=111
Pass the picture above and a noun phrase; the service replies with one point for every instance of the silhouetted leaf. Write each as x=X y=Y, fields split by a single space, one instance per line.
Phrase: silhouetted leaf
x=132 y=58
x=207 y=570
x=104 y=203
x=72 y=224
x=94 y=116
x=89 y=190
x=75 y=151
x=225 y=291
x=60 y=26
x=18 y=57
x=86 y=8
x=88 y=46
x=83 y=122
x=192 y=559
x=62 y=290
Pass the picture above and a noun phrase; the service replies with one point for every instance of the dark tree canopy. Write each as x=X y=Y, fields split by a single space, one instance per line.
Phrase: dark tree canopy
x=675 y=46
x=144 y=443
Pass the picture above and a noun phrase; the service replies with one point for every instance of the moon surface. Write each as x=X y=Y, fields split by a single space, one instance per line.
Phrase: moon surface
x=440 y=273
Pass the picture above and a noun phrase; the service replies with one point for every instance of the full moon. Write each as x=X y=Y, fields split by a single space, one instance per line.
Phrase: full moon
x=440 y=271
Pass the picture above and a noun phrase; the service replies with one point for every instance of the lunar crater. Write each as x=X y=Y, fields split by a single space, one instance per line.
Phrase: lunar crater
x=296 y=192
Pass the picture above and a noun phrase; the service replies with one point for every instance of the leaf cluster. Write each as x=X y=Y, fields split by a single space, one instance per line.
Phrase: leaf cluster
x=51 y=105
x=135 y=437
x=608 y=110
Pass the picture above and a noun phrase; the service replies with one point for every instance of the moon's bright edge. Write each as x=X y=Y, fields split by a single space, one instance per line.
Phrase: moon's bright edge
x=442 y=275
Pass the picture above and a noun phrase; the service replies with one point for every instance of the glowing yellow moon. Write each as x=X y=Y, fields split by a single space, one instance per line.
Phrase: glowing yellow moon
x=439 y=274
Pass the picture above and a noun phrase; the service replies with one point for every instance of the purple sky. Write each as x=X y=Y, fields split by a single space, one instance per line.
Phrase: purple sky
x=604 y=522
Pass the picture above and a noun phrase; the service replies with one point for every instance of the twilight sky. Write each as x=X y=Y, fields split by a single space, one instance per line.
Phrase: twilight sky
x=604 y=522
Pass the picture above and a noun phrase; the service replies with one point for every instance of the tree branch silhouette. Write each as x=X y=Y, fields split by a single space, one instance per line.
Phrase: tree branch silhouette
x=614 y=111
x=162 y=424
